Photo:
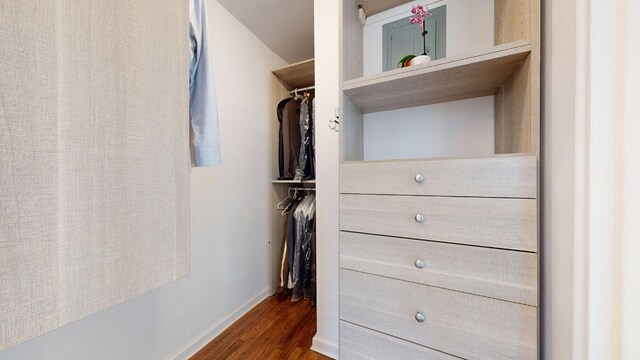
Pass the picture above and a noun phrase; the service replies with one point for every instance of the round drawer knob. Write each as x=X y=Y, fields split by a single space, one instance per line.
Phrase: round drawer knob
x=420 y=264
x=420 y=218
x=420 y=317
x=419 y=178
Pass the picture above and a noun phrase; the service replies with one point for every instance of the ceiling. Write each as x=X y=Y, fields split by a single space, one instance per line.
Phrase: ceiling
x=285 y=26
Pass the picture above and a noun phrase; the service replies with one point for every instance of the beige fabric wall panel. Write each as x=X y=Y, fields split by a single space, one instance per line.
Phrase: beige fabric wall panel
x=28 y=170
x=94 y=160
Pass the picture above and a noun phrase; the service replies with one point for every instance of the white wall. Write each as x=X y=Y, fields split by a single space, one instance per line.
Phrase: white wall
x=559 y=175
x=612 y=244
x=630 y=246
x=327 y=42
x=459 y=128
x=591 y=175
x=417 y=132
x=229 y=226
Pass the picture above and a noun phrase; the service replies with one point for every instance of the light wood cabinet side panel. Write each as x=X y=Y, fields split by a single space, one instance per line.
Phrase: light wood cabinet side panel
x=513 y=113
x=517 y=103
x=351 y=131
x=512 y=20
x=352 y=41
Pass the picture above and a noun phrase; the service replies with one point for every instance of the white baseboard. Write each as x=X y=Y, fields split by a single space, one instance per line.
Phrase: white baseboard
x=195 y=345
x=325 y=347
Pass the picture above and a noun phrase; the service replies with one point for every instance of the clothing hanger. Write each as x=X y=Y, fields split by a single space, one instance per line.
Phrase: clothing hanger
x=285 y=211
x=297 y=96
x=281 y=205
x=285 y=208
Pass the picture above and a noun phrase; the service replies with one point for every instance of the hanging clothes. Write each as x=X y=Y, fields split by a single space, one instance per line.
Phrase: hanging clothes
x=203 y=107
x=287 y=245
x=306 y=250
x=313 y=138
x=301 y=216
x=306 y=165
x=312 y=280
x=297 y=271
x=291 y=241
x=280 y=114
x=291 y=138
x=304 y=216
x=296 y=138
x=284 y=264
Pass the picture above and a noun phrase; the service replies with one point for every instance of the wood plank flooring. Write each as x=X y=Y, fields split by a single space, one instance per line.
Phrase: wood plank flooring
x=275 y=329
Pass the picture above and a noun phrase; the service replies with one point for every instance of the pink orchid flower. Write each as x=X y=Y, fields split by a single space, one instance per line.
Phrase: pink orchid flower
x=421 y=13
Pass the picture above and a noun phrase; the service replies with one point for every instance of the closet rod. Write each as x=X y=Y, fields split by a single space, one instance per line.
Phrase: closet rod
x=303 y=89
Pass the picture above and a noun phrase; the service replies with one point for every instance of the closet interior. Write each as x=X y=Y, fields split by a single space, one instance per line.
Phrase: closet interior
x=292 y=246
x=439 y=255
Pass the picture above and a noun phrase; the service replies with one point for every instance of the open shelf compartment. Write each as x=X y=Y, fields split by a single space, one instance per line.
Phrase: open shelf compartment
x=298 y=75
x=456 y=78
x=372 y=7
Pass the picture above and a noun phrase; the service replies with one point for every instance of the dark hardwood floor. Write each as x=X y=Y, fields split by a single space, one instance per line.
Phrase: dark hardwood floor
x=275 y=329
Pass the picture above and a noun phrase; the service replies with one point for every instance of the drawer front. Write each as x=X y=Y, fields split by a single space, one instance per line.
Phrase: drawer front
x=500 y=176
x=358 y=343
x=500 y=274
x=499 y=223
x=464 y=325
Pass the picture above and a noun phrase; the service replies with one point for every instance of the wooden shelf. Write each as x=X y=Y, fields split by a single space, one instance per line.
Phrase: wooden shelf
x=293 y=182
x=298 y=75
x=456 y=78
x=372 y=7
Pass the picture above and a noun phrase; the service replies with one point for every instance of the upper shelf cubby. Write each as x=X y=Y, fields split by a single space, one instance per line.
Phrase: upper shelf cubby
x=372 y=7
x=455 y=78
x=298 y=75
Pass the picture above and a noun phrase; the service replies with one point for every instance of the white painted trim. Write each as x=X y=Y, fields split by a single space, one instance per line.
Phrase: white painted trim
x=580 y=318
x=606 y=322
x=605 y=160
x=325 y=347
x=630 y=247
x=193 y=346
x=399 y=10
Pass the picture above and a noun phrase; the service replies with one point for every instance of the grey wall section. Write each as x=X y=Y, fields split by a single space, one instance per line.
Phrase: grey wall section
x=229 y=226
x=94 y=158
